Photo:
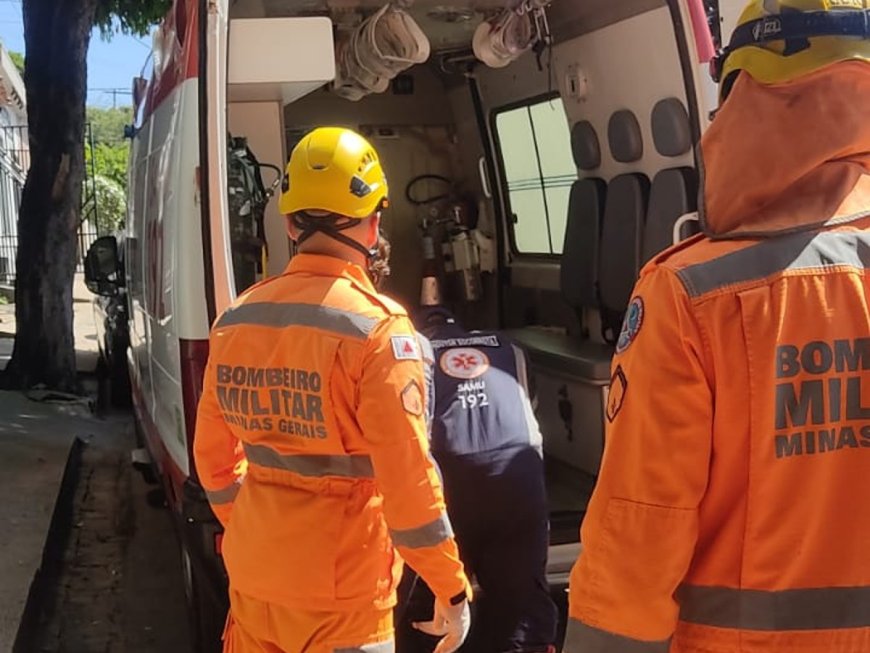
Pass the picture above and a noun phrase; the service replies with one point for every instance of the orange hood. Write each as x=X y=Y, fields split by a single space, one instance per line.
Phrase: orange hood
x=788 y=157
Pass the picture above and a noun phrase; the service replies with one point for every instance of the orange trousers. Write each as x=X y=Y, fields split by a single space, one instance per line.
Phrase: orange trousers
x=254 y=626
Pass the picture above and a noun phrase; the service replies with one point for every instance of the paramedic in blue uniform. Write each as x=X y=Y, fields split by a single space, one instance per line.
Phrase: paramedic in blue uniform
x=487 y=443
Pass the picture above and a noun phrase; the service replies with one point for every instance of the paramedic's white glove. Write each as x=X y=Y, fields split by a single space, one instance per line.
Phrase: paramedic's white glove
x=450 y=622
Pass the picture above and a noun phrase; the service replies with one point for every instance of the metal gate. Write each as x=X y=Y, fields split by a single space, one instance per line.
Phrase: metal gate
x=14 y=164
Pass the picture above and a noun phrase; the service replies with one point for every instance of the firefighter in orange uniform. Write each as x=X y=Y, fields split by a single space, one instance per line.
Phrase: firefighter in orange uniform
x=311 y=439
x=730 y=514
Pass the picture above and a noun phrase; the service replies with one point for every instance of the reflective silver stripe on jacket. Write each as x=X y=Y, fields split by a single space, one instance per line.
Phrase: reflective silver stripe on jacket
x=430 y=534
x=311 y=465
x=580 y=638
x=380 y=647
x=800 y=251
x=281 y=315
x=824 y=608
x=224 y=495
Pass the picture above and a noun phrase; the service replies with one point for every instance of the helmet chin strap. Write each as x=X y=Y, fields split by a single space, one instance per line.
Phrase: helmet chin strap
x=332 y=228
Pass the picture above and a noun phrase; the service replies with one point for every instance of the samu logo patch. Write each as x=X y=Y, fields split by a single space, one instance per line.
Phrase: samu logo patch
x=631 y=325
x=464 y=363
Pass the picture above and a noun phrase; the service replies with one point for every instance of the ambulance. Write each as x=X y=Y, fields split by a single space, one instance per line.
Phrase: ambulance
x=538 y=153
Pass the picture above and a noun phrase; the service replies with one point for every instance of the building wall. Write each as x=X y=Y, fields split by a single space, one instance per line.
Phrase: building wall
x=14 y=160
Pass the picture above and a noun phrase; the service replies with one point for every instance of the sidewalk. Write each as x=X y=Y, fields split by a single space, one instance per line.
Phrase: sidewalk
x=84 y=327
x=37 y=439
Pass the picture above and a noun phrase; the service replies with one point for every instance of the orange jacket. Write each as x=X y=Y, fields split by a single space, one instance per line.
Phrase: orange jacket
x=315 y=385
x=730 y=515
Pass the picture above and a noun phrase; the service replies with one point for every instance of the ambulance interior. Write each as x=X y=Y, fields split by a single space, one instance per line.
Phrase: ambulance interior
x=545 y=177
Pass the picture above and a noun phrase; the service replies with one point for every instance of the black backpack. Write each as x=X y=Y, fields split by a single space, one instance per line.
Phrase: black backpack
x=248 y=198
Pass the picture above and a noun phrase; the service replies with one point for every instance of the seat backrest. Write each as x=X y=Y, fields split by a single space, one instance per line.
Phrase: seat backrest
x=673 y=194
x=579 y=263
x=579 y=267
x=622 y=229
x=674 y=191
x=671 y=130
x=621 y=241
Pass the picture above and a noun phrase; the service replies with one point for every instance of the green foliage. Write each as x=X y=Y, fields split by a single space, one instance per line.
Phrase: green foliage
x=111 y=204
x=109 y=161
x=107 y=125
x=18 y=60
x=129 y=16
x=106 y=167
x=110 y=151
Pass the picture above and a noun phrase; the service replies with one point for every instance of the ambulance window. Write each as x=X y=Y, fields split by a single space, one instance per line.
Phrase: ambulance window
x=535 y=145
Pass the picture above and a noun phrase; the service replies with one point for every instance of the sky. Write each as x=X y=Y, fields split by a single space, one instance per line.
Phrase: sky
x=111 y=65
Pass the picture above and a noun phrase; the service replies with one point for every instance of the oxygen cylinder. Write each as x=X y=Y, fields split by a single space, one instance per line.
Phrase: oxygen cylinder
x=430 y=290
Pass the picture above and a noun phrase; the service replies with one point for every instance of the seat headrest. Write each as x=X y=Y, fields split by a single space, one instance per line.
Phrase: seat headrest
x=672 y=133
x=585 y=146
x=624 y=136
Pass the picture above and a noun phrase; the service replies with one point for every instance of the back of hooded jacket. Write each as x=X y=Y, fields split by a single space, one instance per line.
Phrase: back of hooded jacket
x=729 y=513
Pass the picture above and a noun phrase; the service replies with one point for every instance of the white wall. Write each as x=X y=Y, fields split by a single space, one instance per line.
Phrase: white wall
x=629 y=65
x=262 y=124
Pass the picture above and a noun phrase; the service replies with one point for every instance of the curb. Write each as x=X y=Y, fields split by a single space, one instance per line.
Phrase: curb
x=37 y=606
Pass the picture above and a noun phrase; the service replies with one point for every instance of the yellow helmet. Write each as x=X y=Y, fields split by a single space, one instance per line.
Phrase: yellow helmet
x=336 y=171
x=776 y=41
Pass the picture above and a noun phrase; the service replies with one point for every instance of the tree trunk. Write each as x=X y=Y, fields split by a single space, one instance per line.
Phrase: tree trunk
x=57 y=34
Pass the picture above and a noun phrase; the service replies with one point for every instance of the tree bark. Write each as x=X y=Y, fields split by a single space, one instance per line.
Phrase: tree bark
x=57 y=34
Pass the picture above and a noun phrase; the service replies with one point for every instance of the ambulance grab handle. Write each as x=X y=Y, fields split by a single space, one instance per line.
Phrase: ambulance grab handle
x=678 y=225
x=484 y=178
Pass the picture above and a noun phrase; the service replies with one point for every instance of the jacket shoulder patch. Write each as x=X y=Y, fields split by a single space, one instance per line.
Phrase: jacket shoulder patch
x=631 y=324
x=412 y=399
x=616 y=393
x=406 y=348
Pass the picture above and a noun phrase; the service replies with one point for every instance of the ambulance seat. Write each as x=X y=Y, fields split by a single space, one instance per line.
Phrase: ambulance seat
x=674 y=191
x=621 y=246
x=673 y=194
x=581 y=359
x=622 y=230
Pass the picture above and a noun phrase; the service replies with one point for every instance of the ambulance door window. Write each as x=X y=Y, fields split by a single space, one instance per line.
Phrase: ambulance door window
x=534 y=143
